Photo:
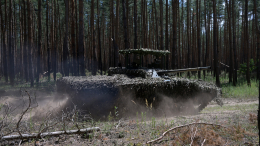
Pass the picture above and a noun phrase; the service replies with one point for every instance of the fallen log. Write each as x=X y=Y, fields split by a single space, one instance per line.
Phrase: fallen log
x=55 y=133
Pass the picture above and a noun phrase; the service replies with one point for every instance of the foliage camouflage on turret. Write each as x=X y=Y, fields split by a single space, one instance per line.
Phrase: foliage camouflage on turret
x=145 y=51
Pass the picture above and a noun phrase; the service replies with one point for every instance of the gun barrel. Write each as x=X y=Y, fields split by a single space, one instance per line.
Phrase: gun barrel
x=183 y=70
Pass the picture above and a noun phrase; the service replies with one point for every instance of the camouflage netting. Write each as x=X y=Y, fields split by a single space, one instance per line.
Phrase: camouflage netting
x=129 y=72
x=145 y=51
x=101 y=93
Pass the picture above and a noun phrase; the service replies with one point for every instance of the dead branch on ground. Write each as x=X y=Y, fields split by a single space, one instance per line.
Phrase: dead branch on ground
x=22 y=114
x=55 y=133
x=181 y=127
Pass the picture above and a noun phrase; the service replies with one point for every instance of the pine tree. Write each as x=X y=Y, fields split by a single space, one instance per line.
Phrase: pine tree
x=81 y=39
x=215 y=44
x=39 y=41
x=30 y=42
x=247 y=44
x=65 y=44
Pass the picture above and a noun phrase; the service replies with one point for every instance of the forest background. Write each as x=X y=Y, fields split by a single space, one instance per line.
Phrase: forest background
x=72 y=37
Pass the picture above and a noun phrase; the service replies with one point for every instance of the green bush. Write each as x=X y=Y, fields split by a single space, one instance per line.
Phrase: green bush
x=243 y=67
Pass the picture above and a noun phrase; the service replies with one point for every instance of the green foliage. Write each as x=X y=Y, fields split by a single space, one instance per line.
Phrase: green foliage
x=242 y=90
x=243 y=67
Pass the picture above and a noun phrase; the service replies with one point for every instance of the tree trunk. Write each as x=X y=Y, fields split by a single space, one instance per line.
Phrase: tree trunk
x=94 y=59
x=246 y=44
x=4 y=28
x=51 y=19
x=47 y=40
x=39 y=41
x=188 y=35
x=166 y=35
x=30 y=42
x=198 y=36
x=77 y=39
x=135 y=24
x=111 y=32
x=25 y=44
x=125 y=25
x=174 y=32
x=206 y=36
x=156 y=23
x=182 y=34
x=65 y=45
x=99 y=40
x=258 y=41
x=234 y=44
x=116 y=38
x=161 y=37
x=230 y=42
x=258 y=64
x=72 y=38
x=81 y=39
x=10 y=46
x=55 y=38
x=193 y=39
x=215 y=44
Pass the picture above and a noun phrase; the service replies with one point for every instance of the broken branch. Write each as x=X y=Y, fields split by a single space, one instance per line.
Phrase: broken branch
x=42 y=135
x=181 y=127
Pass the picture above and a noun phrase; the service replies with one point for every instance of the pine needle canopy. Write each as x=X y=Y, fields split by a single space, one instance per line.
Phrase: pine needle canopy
x=145 y=51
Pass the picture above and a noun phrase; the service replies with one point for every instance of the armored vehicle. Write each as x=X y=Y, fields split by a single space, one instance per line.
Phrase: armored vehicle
x=141 y=86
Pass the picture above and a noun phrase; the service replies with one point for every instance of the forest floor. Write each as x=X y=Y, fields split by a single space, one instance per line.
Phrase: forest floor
x=235 y=123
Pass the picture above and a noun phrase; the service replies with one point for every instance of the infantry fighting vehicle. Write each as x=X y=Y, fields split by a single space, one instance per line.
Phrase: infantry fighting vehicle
x=135 y=84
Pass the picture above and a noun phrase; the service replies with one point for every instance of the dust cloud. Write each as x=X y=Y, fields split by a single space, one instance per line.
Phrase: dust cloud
x=44 y=104
x=162 y=106
x=41 y=104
